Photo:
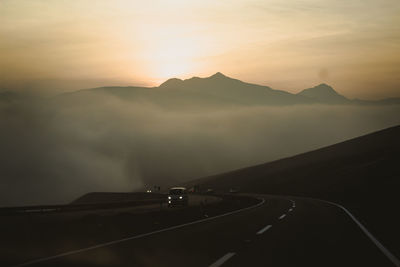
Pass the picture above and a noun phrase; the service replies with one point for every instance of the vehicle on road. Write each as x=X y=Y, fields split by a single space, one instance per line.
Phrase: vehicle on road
x=209 y=191
x=234 y=190
x=177 y=197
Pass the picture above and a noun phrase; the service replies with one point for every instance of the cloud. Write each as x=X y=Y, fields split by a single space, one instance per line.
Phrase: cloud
x=54 y=150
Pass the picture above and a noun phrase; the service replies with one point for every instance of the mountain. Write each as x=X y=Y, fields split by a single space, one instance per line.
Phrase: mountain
x=385 y=101
x=362 y=174
x=10 y=96
x=229 y=90
x=324 y=93
x=216 y=91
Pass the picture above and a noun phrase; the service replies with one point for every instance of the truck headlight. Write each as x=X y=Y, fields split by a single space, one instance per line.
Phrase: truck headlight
x=169 y=197
x=180 y=197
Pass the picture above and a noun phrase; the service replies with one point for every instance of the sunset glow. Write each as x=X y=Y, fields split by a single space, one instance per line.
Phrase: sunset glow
x=283 y=44
x=169 y=55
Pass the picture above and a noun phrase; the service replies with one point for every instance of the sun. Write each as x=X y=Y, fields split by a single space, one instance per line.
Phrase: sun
x=176 y=67
x=171 y=54
x=174 y=58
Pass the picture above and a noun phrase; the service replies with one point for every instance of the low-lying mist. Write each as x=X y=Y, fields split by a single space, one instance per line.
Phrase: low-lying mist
x=53 y=151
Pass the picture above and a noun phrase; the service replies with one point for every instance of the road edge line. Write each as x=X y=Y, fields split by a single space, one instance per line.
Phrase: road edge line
x=382 y=248
x=374 y=240
x=223 y=259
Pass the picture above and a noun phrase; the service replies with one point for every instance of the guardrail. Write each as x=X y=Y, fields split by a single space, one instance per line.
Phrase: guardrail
x=105 y=205
x=77 y=207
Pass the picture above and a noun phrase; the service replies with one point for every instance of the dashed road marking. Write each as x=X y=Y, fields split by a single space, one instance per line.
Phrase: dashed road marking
x=137 y=236
x=282 y=216
x=264 y=229
x=223 y=259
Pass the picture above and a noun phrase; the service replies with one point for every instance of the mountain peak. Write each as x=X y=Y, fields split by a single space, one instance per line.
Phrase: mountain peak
x=323 y=92
x=215 y=79
x=322 y=88
x=173 y=82
x=218 y=75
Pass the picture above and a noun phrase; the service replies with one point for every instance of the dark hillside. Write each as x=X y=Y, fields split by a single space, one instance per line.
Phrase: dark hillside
x=363 y=174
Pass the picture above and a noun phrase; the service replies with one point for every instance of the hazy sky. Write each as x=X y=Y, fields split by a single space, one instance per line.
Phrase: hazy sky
x=352 y=45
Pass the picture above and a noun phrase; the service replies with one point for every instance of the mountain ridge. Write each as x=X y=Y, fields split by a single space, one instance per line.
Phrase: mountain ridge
x=219 y=89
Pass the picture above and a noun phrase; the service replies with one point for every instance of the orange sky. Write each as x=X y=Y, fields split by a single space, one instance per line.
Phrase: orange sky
x=291 y=45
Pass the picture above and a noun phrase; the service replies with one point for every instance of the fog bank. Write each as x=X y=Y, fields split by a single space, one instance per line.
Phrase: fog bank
x=53 y=151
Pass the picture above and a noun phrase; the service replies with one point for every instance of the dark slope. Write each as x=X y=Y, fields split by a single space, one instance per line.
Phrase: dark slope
x=363 y=174
x=322 y=171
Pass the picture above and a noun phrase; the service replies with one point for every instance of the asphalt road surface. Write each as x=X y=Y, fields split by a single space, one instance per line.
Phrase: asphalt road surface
x=277 y=232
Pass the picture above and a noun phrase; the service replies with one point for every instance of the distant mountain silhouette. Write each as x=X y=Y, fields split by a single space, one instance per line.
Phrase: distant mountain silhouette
x=385 y=101
x=229 y=90
x=9 y=96
x=219 y=89
x=324 y=93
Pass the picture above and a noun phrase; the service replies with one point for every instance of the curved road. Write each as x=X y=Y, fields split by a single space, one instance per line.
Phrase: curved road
x=277 y=232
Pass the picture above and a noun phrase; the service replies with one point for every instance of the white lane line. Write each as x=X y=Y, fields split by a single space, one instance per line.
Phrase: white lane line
x=136 y=236
x=282 y=216
x=264 y=229
x=384 y=250
x=223 y=259
x=290 y=210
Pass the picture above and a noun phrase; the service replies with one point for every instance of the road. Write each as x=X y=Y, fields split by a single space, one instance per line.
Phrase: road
x=279 y=231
